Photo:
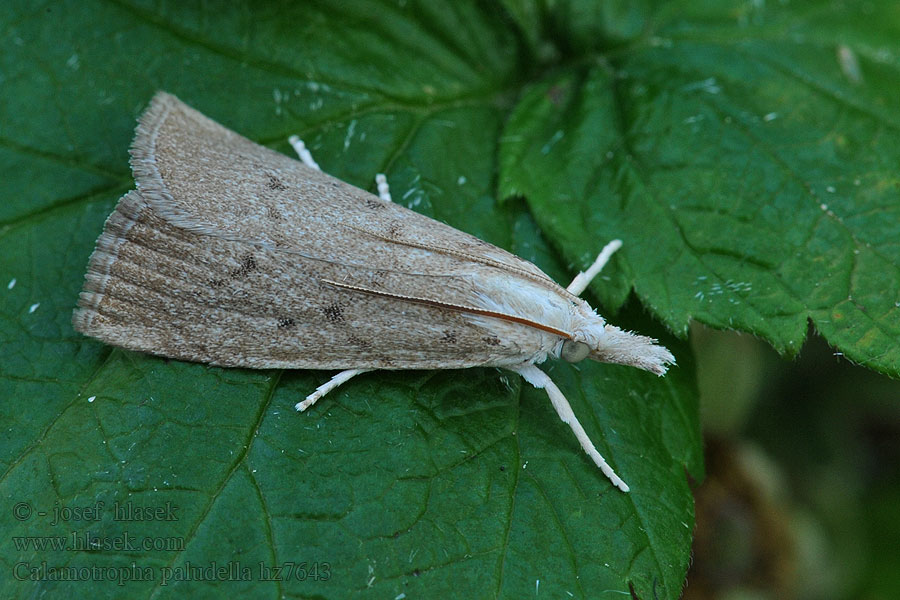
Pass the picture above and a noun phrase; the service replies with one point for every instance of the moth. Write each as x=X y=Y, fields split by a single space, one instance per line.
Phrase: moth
x=232 y=254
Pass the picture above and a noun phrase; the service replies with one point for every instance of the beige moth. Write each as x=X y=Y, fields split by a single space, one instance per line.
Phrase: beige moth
x=232 y=254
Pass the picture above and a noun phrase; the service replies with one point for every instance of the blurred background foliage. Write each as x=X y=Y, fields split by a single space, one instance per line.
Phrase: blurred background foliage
x=802 y=494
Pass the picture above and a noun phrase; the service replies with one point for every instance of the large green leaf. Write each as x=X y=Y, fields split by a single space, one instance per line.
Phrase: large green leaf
x=444 y=483
x=436 y=484
x=754 y=149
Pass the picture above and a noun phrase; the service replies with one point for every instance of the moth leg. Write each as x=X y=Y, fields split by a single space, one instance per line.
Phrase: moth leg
x=541 y=380
x=326 y=387
x=384 y=192
x=581 y=281
x=303 y=152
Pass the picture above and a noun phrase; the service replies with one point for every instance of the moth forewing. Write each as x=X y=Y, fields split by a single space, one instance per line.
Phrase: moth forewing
x=231 y=254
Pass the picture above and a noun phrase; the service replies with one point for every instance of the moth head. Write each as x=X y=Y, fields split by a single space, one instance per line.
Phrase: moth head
x=596 y=339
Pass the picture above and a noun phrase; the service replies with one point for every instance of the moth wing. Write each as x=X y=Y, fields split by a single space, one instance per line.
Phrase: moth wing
x=202 y=177
x=235 y=255
x=157 y=288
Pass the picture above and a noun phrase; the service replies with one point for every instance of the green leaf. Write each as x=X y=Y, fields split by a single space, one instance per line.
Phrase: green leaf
x=565 y=27
x=754 y=149
x=451 y=483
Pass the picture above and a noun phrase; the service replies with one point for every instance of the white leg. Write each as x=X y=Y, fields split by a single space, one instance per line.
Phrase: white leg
x=581 y=281
x=539 y=379
x=303 y=153
x=326 y=387
x=384 y=192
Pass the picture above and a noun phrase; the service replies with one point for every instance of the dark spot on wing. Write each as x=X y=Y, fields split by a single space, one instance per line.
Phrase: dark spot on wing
x=286 y=322
x=273 y=183
x=449 y=337
x=248 y=265
x=334 y=313
x=361 y=342
x=491 y=340
x=273 y=214
x=374 y=204
x=216 y=283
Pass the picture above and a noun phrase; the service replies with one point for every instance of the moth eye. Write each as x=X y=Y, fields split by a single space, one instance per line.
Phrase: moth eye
x=574 y=352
